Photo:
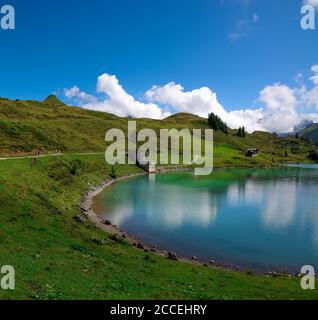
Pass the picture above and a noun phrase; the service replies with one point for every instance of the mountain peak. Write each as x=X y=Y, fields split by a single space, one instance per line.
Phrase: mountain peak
x=53 y=100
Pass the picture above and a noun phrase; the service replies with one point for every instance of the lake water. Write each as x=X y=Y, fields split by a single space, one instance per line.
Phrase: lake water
x=264 y=219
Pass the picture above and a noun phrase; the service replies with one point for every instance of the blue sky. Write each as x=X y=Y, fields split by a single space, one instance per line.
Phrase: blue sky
x=234 y=47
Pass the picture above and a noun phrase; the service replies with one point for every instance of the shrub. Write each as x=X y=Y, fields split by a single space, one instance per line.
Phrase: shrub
x=64 y=171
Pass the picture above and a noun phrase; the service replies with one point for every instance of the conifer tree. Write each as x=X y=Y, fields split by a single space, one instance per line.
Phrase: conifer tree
x=217 y=124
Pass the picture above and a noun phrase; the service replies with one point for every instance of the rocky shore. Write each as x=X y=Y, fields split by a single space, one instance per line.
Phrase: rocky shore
x=121 y=236
x=118 y=235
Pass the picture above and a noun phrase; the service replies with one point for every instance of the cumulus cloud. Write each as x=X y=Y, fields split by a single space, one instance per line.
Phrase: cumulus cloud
x=198 y=101
x=116 y=101
x=281 y=108
x=279 y=112
x=202 y=102
x=280 y=104
x=278 y=98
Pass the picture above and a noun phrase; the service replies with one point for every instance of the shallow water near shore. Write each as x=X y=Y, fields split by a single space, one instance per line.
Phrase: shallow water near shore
x=262 y=219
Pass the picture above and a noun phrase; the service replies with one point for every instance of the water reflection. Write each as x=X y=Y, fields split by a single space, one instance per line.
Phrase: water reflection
x=279 y=201
x=246 y=216
x=178 y=210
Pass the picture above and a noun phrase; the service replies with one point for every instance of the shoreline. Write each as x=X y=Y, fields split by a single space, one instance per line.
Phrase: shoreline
x=86 y=208
x=119 y=235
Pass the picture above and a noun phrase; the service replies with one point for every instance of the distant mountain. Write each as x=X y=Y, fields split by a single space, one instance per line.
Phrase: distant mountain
x=310 y=133
x=300 y=127
x=303 y=125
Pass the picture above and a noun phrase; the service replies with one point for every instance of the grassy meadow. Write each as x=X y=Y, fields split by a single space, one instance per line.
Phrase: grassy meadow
x=50 y=125
x=57 y=257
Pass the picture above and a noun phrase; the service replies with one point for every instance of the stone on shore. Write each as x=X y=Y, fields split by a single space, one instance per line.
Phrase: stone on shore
x=79 y=219
x=172 y=256
x=107 y=222
x=117 y=238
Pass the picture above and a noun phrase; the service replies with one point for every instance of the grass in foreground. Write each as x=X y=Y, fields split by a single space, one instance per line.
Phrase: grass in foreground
x=56 y=257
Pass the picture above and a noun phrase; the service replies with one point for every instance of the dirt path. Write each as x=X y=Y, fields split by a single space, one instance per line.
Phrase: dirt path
x=51 y=155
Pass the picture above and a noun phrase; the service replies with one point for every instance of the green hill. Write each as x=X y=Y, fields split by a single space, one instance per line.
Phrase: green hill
x=58 y=254
x=310 y=134
x=26 y=126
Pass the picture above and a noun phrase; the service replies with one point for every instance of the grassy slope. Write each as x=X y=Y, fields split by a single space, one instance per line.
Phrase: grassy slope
x=51 y=125
x=310 y=133
x=58 y=258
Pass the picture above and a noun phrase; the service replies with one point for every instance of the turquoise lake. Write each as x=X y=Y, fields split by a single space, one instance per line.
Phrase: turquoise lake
x=264 y=219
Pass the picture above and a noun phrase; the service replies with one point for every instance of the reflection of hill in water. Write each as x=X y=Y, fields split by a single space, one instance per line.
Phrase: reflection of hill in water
x=196 y=199
x=263 y=212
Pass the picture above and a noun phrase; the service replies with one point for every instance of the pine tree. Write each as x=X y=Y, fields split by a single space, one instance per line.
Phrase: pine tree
x=243 y=132
x=113 y=173
x=217 y=124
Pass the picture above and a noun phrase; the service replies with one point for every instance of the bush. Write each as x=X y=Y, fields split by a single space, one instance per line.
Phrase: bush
x=76 y=166
x=64 y=170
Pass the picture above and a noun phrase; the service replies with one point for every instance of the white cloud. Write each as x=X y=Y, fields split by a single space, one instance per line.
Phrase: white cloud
x=309 y=98
x=313 y=3
x=202 y=102
x=198 y=101
x=75 y=92
x=280 y=110
x=278 y=98
x=117 y=100
x=314 y=78
x=312 y=97
x=278 y=115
